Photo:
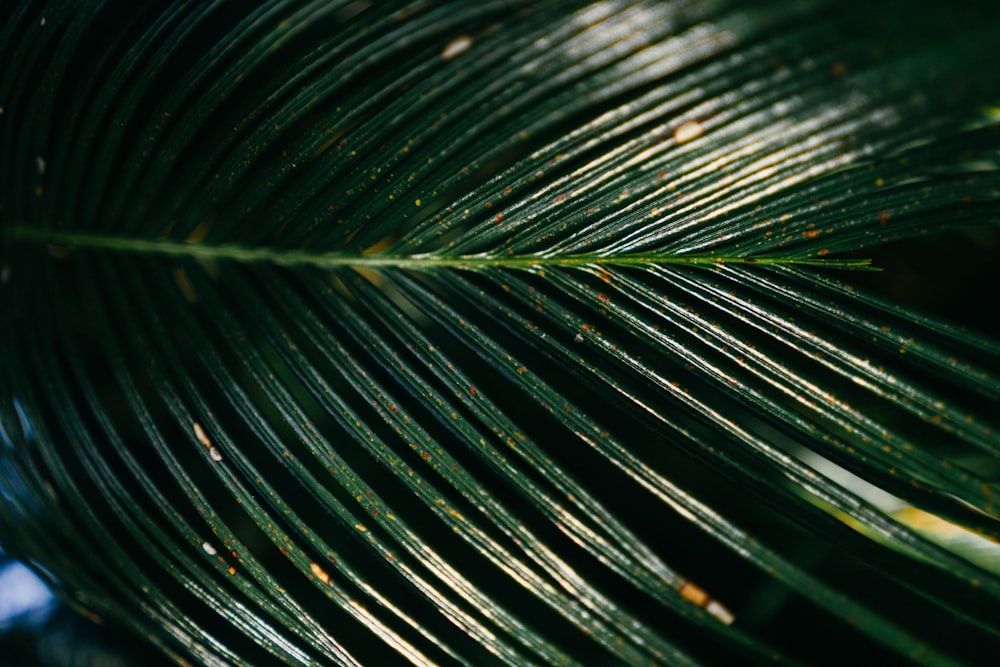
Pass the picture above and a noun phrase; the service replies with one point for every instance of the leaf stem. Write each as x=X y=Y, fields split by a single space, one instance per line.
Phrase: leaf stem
x=423 y=261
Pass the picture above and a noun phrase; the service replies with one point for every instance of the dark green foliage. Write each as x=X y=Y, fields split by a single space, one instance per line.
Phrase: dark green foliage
x=500 y=332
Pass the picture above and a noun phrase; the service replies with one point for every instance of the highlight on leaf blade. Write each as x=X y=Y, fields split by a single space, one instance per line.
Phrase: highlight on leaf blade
x=502 y=332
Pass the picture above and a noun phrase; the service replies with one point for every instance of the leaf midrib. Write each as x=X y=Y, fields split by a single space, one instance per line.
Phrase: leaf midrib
x=302 y=257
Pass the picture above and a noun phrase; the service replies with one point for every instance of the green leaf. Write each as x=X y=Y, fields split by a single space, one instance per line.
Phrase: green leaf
x=495 y=333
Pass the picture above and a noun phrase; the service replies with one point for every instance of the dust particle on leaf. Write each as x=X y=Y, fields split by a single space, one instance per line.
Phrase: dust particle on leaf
x=688 y=131
x=199 y=433
x=456 y=47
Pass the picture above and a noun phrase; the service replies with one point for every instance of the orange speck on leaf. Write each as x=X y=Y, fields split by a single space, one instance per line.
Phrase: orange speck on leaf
x=319 y=573
x=693 y=593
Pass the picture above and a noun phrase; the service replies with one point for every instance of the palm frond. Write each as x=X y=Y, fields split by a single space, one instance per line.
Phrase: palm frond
x=471 y=333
